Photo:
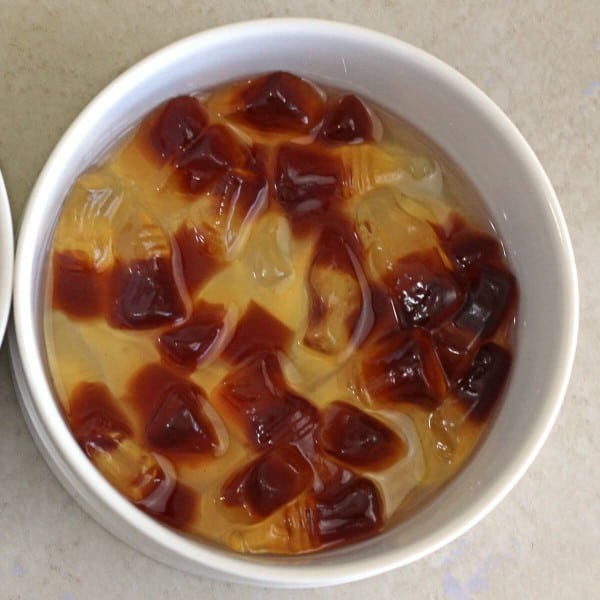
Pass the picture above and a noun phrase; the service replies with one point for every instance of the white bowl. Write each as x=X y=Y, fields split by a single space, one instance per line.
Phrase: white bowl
x=493 y=154
x=6 y=258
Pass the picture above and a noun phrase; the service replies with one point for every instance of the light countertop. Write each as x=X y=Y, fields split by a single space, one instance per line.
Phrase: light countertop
x=540 y=61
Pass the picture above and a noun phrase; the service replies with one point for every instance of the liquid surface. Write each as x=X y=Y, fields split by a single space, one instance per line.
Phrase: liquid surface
x=275 y=318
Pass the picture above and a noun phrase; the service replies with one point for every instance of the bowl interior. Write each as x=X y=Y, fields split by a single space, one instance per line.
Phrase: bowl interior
x=483 y=143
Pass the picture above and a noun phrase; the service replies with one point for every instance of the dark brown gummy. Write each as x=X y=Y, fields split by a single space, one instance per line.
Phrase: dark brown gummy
x=94 y=417
x=198 y=262
x=257 y=331
x=178 y=123
x=144 y=294
x=207 y=160
x=348 y=121
x=243 y=195
x=359 y=439
x=170 y=408
x=455 y=348
x=338 y=245
x=386 y=314
x=269 y=482
x=347 y=511
x=427 y=293
x=336 y=250
x=480 y=388
x=187 y=345
x=99 y=425
x=281 y=101
x=488 y=301
x=178 y=424
x=100 y=428
x=468 y=247
x=178 y=510
x=404 y=366
x=77 y=288
x=308 y=183
x=258 y=400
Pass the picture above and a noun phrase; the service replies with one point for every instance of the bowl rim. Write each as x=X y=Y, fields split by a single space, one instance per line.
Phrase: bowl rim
x=47 y=422
x=7 y=257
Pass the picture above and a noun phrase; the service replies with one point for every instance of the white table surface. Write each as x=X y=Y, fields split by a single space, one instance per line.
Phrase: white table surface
x=540 y=61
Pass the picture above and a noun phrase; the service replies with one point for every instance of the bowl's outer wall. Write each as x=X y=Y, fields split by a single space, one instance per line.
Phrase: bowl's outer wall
x=482 y=141
x=6 y=258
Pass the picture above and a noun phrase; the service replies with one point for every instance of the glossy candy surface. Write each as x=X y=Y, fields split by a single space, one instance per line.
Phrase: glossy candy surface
x=269 y=324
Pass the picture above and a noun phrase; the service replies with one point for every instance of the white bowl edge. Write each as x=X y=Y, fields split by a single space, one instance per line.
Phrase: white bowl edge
x=6 y=258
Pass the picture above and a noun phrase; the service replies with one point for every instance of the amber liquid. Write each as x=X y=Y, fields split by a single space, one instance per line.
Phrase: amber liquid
x=275 y=320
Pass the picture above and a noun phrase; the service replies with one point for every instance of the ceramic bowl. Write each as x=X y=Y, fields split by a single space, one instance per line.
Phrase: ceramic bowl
x=6 y=258
x=484 y=143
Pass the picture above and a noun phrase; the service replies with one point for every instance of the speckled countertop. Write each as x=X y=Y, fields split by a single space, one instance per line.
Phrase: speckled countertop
x=540 y=61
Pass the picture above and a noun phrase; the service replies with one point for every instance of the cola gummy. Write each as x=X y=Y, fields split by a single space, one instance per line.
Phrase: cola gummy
x=277 y=317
